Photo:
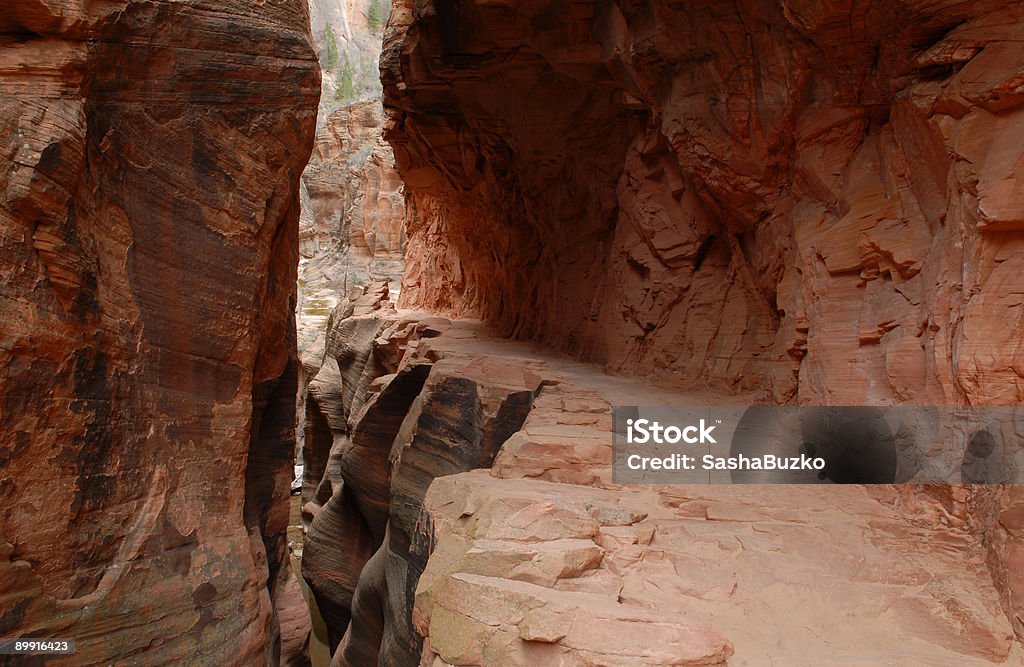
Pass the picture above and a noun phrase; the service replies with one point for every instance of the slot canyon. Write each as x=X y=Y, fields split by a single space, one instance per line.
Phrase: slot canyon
x=314 y=314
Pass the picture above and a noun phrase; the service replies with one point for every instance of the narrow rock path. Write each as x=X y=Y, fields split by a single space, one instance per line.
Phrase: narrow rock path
x=542 y=559
x=506 y=542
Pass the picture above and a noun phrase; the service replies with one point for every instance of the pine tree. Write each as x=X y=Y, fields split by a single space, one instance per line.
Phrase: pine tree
x=345 y=90
x=330 y=53
x=374 y=16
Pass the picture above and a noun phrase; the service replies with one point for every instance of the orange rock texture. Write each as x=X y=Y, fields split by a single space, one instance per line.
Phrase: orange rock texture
x=816 y=201
x=151 y=154
x=416 y=558
x=353 y=219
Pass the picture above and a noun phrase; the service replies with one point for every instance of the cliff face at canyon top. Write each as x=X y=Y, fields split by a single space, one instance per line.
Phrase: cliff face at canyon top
x=814 y=200
x=353 y=208
x=151 y=154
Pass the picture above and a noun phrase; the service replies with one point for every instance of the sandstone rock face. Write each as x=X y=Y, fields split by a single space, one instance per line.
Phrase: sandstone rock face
x=356 y=203
x=347 y=34
x=151 y=154
x=294 y=620
x=781 y=202
x=818 y=201
x=1004 y=532
x=542 y=560
x=351 y=233
x=393 y=420
x=853 y=579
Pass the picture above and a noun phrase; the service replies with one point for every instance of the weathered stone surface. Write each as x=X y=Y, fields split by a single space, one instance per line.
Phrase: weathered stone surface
x=293 y=615
x=457 y=423
x=784 y=202
x=351 y=234
x=347 y=34
x=150 y=155
x=353 y=209
x=351 y=230
x=351 y=526
x=337 y=384
x=492 y=621
x=810 y=200
x=1004 y=530
x=800 y=575
x=356 y=204
x=405 y=416
x=542 y=560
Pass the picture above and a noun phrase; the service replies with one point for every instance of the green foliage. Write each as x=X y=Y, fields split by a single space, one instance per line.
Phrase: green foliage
x=375 y=16
x=369 y=72
x=330 y=52
x=345 y=89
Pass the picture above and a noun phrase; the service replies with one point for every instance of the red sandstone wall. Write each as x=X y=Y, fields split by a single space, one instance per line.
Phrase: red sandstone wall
x=356 y=208
x=150 y=155
x=818 y=201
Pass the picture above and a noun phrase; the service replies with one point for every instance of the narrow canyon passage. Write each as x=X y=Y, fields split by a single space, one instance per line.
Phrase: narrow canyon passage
x=424 y=251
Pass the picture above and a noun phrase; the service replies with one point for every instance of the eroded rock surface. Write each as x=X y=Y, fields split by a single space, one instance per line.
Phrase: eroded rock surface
x=150 y=163
x=1004 y=532
x=347 y=34
x=782 y=202
x=356 y=202
x=351 y=233
x=378 y=433
x=810 y=200
x=542 y=560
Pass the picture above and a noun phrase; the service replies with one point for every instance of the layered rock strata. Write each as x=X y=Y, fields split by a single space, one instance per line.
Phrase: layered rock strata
x=351 y=229
x=347 y=34
x=354 y=214
x=150 y=163
x=788 y=202
x=1003 y=525
x=540 y=559
x=812 y=200
x=393 y=422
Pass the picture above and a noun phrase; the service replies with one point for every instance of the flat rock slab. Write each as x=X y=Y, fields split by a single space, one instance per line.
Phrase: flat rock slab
x=788 y=575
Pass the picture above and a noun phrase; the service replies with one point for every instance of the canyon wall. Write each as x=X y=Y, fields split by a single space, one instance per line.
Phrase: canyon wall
x=353 y=218
x=348 y=38
x=151 y=154
x=351 y=231
x=781 y=202
x=816 y=201
x=385 y=417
